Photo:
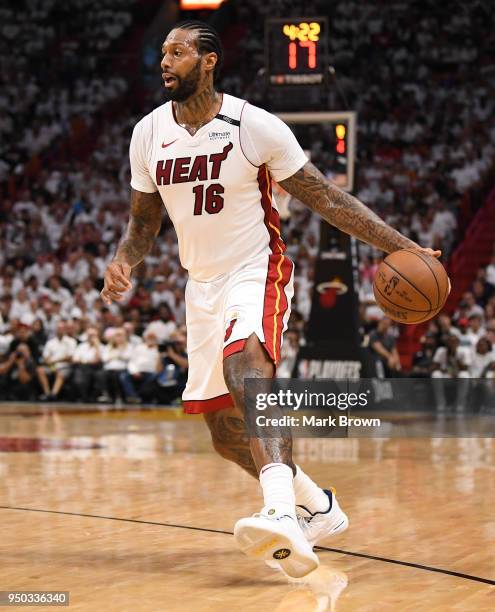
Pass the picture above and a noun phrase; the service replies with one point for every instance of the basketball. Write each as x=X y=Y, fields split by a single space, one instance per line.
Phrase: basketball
x=410 y=287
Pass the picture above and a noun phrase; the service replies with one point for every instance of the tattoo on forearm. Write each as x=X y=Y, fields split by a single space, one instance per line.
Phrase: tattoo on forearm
x=343 y=210
x=143 y=227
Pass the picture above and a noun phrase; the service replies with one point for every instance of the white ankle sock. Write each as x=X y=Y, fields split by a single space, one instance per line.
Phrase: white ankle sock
x=276 y=480
x=308 y=493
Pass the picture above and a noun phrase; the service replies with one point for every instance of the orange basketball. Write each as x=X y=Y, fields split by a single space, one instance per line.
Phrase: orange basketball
x=411 y=287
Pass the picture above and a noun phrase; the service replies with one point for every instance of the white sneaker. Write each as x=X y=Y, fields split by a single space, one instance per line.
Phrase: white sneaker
x=279 y=539
x=319 y=525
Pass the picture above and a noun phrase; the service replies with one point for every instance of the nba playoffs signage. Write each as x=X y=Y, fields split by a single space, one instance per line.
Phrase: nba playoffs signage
x=333 y=347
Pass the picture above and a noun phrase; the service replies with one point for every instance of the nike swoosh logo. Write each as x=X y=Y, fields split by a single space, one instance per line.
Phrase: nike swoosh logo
x=169 y=143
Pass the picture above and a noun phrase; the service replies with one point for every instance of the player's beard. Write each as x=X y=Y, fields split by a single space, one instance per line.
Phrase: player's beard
x=187 y=86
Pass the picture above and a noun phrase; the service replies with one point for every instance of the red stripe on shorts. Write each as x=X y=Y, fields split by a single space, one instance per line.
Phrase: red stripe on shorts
x=234 y=347
x=279 y=271
x=278 y=276
x=208 y=405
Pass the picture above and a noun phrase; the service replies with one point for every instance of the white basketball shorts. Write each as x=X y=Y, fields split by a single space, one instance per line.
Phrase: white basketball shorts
x=220 y=317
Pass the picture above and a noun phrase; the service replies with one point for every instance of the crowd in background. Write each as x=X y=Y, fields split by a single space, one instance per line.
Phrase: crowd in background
x=59 y=75
x=78 y=363
x=426 y=128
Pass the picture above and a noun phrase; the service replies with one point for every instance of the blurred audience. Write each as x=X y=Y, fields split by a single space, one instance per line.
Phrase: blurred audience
x=87 y=361
x=143 y=367
x=55 y=363
x=383 y=343
x=451 y=361
x=115 y=356
x=18 y=373
x=171 y=381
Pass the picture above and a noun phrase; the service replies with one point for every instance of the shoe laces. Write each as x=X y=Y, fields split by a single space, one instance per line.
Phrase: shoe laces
x=303 y=523
x=272 y=517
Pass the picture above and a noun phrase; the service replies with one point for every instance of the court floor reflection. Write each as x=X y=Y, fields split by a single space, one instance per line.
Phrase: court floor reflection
x=141 y=510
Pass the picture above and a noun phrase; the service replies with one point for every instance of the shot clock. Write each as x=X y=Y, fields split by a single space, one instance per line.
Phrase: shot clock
x=296 y=50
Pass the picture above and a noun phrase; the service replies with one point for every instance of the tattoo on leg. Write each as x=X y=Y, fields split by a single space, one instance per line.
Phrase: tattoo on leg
x=253 y=362
x=230 y=439
x=280 y=451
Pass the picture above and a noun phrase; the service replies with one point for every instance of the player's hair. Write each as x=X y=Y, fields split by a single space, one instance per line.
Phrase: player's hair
x=208 y=41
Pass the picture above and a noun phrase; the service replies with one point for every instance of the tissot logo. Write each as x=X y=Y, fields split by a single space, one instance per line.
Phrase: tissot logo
x=218 y=135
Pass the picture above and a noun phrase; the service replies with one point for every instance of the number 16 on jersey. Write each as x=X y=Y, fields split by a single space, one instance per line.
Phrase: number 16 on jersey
x=210 y=199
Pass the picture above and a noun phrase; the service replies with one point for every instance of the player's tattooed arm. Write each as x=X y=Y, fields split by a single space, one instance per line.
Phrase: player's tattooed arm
x=145 y=220
x=344 y=211
x=144 y=224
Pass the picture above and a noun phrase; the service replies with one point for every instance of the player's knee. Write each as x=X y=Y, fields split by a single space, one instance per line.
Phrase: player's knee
x=239 y=367
x=232 y=372
x=223 y=448
x=250 y=363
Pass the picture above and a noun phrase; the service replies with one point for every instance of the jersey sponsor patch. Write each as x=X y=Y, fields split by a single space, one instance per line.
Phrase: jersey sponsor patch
x=219 y=135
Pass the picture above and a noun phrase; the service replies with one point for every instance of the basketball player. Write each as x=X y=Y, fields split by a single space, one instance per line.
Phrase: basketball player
x=209 y=158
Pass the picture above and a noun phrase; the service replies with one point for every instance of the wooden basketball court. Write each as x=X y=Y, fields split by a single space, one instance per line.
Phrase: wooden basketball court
x=132 y=510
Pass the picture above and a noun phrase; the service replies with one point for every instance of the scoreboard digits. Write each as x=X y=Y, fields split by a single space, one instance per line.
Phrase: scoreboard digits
x=296 y=50
x=304 y=31
x=305 y=35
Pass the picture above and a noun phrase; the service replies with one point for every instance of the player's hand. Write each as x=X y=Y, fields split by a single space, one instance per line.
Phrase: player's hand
x=433 y=253
x=429 y=252
x=117 y=282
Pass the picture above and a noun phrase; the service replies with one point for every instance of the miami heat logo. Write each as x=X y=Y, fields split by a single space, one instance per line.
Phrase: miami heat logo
x=329 y=291
x=228 y=331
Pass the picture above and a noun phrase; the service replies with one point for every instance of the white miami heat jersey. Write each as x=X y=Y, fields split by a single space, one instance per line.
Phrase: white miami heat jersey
x=216 y=185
